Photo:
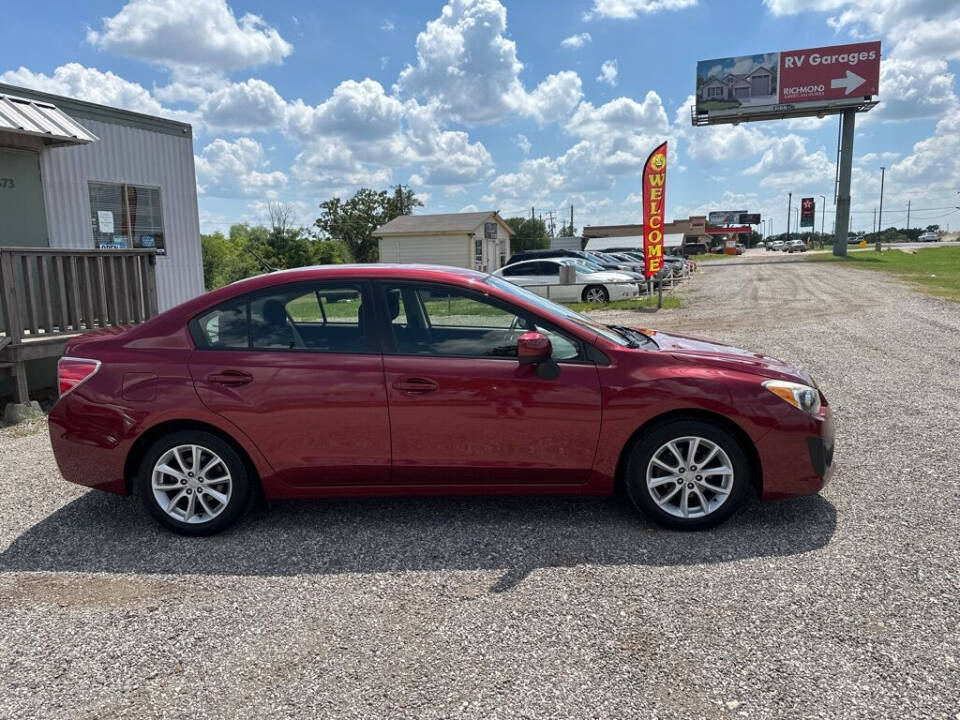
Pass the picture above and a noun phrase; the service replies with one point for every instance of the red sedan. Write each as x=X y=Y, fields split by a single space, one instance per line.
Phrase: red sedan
x=369 y=380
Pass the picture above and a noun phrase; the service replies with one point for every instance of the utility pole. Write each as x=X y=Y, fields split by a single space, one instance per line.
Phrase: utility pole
x=883 y=172
x=789 y=212
x=843 y=182
x=553 y=225
x=571 y=220
x=532 y=217
x=908 y=214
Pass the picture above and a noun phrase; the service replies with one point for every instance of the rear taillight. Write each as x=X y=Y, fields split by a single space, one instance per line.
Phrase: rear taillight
x=73 y=372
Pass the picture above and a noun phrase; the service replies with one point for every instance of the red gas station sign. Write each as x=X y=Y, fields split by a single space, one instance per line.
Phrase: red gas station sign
x=830 y=73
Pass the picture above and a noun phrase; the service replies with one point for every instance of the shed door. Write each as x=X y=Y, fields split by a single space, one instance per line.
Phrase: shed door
x=23 y=221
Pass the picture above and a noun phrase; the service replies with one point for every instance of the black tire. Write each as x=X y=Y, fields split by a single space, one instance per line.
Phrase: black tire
x=604 y=295
x=641 y=454
x=241 y=491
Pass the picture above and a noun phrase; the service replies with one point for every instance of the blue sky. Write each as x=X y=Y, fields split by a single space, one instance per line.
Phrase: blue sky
x=482 y=104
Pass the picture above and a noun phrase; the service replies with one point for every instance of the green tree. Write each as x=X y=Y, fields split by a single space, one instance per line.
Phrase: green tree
x=528 y=234
x=354 y=220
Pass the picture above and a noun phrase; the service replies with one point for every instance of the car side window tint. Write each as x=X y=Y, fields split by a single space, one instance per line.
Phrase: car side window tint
x=224 y=327
x=517 y=270
x=320 y=318
x=435 y=320
x=548 y=269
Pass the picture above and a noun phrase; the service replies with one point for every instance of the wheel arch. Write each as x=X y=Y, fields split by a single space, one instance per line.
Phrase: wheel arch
x=749 y=449
x=150 y=436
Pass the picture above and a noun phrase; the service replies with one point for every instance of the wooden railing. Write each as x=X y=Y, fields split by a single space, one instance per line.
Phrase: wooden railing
x=45 y=293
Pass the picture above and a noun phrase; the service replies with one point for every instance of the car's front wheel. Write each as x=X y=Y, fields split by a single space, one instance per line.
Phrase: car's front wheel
x=687 y=474
x=193 y=482
x=595 y=294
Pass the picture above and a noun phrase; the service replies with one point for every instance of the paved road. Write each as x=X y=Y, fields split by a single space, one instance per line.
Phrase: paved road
x=843 y=605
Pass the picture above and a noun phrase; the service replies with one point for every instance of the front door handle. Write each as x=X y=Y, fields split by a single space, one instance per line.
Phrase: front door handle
x=230 y=378
x=416 y=385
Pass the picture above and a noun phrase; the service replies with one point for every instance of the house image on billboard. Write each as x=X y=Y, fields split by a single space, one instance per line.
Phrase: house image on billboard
x=757 y=83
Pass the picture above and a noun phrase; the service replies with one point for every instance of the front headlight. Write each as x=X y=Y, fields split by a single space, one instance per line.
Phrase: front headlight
x=802 y=397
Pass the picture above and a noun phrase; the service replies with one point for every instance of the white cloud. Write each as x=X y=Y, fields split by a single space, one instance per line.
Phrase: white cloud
x=468 y=67
x=619 y=117
x=248 y=106
x=575 y=42
x=387 y=25
x=194 y=34
x=911 y=89
x=84 y=83
x=231 y=169
x=631 y=9
x=788 y=163
x=521 y=141
x=553 y=99
x=360 y=111
x=608 y=73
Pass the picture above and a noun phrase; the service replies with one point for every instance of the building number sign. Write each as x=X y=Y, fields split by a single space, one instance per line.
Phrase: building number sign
x=7 y=183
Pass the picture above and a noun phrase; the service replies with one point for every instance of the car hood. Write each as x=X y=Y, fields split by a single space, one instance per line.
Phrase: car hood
x=707 y=352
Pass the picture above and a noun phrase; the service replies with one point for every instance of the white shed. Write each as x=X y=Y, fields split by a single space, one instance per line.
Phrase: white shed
x=477 y=240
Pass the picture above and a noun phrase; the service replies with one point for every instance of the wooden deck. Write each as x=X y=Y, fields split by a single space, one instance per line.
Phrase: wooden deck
x=49 y=296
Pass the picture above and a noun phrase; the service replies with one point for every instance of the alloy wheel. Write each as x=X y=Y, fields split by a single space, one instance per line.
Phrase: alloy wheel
x=690 y=477
x=595 y=295
x=191 y=484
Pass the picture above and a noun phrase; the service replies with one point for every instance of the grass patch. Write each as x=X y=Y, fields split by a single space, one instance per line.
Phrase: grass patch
x=709 y=257
x=670 y=302
x=933 y=270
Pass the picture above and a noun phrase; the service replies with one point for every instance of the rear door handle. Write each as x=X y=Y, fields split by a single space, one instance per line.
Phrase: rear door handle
x=416 y=385
x=230 y=378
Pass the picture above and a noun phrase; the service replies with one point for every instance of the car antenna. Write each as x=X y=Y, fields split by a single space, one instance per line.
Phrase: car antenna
x=263 y=263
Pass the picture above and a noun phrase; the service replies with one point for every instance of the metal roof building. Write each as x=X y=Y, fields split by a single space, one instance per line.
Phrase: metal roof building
x=77 y=175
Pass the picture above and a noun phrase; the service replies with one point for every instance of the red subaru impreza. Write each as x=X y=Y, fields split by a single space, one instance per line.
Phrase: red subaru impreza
x=368 y=380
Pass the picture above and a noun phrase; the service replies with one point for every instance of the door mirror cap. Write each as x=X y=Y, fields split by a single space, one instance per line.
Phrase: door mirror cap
x=533 y=348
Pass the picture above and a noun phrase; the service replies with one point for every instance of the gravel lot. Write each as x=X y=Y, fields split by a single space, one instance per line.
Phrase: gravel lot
x=839 y=605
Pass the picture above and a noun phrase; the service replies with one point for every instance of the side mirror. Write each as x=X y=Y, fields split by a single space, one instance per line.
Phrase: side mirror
x=533 y=348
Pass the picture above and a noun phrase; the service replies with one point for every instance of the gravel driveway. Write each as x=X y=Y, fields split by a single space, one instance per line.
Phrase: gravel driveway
x=839 y=605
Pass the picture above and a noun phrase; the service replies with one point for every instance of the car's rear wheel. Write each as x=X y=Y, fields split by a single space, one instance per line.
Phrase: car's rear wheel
x=595 y=294
x=687 y=474
x=194 y=483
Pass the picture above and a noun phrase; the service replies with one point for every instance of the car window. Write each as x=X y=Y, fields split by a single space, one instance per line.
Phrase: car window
x=548 y=269
x=525 y=268
x=318 y=318
x=224 y=327
x=436 y=320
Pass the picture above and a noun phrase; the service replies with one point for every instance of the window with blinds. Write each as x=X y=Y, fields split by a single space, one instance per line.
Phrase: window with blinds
x=126 y=216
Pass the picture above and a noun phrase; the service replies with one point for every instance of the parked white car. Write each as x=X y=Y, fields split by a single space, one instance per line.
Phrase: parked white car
x=796 y=245
x=542 y=276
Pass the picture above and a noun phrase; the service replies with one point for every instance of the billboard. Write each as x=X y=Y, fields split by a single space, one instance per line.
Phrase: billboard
x=787 y=84
x=654 y=199
x=749 y=219
x=808 y=212
x=725 y=217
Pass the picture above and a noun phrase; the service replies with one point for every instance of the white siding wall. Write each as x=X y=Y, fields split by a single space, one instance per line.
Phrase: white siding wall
x=453 y=250
x=129 y=155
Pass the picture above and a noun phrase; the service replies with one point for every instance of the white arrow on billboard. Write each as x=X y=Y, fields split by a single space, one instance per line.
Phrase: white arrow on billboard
x=851 y=82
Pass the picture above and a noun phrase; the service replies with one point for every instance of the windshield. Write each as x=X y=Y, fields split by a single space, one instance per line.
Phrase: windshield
x=583 y=266
x=553 y=308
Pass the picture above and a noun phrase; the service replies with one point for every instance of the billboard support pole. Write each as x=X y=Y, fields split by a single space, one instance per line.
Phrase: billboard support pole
x=843 y=190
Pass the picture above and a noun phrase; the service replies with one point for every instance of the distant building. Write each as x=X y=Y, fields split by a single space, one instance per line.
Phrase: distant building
x=757 y=83
x=691 y=230
x=477 y=240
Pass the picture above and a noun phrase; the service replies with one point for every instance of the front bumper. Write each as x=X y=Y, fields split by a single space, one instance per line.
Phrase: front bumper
x=623 y=291
x=797 y=459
